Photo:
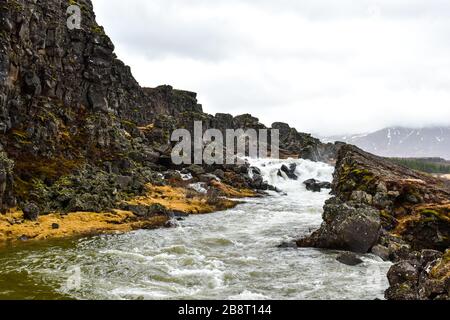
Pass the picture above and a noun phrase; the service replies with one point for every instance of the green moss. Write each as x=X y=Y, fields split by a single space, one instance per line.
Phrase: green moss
x=446 y=257
x=385 y=214
x=98 y=30
x=361 y=172
x=64 y=182
x=441 y=214
x=16 y=6
x=82 y=6
x=356 y=179
x=33 y=190
x=20 y=134
x=127 y=123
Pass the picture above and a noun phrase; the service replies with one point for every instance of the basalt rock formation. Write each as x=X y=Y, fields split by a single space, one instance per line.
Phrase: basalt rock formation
x=78 y=133
x=394 y=212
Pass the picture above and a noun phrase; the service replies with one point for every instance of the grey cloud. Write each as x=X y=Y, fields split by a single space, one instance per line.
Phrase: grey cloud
x=325 y=66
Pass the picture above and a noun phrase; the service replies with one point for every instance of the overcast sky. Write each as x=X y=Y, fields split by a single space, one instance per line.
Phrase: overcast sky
x=324 y=66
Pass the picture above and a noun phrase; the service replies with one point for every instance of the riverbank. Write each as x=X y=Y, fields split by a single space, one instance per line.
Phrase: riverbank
x=220 y=256
x=153 y=210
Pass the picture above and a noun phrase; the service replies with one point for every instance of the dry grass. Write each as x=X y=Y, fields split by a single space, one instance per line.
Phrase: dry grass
x=423 y=212
x=181 y=200
x=13 y=227
x=232 y=192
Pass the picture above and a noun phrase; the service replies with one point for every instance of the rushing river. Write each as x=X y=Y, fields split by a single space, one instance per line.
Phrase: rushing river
x=225 y=255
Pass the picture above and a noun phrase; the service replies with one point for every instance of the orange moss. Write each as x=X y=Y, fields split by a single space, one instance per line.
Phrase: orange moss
x=181 y=200
x=13 y=226
x=422 y=213
x=232 y=192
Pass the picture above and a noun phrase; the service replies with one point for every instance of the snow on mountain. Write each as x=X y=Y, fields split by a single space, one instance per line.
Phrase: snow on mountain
x=403 y=142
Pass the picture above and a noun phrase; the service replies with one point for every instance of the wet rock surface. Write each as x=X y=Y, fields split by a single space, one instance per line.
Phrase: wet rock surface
x=423 y=276
x=349 y=258
x=316 y=186
x=347 y=226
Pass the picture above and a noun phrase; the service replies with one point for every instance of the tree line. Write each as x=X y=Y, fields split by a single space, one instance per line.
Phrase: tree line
x=424 y=165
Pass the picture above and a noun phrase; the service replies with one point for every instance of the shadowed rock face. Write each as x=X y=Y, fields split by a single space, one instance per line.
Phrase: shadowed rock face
x=412 y=205
x=347 y=226
x=401 y=213
x=74 y=121
x=6 y=179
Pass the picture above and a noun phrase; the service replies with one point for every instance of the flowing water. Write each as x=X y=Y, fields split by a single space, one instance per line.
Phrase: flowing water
x=224 y=255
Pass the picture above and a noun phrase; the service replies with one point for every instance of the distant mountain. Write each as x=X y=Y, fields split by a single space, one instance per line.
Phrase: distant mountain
x=403 y=142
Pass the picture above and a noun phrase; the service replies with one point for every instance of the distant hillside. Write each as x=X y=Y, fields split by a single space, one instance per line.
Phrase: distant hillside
x=403 y=142
x=429 y=165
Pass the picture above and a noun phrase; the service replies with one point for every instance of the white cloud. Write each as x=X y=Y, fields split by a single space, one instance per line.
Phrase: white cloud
x=323 y=66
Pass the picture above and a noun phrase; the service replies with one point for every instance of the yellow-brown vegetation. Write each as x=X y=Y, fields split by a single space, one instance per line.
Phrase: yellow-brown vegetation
x=14 y=228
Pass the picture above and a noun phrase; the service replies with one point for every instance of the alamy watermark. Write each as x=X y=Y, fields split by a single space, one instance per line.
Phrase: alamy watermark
x=74 y=19
x=213 y=147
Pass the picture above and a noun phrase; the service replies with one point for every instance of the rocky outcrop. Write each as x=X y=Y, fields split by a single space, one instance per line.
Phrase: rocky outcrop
x=425 y=275
x=304 y=145
x=77 y=131
x=392 y=211
x=347 y=226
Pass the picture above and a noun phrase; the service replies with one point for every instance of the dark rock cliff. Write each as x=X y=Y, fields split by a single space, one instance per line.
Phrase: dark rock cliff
x=394 y=212
x=74 y=121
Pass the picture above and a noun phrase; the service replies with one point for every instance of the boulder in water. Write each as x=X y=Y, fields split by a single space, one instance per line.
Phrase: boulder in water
x=316 y=186
x=286 y=245
x=349 y=258
x=288 y=171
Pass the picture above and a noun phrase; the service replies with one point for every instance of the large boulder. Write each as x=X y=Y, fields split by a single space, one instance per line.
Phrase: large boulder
x=347 y=226
x=349 y=258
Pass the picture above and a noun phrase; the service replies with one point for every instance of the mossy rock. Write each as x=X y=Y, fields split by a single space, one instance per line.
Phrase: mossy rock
x=442 y=214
